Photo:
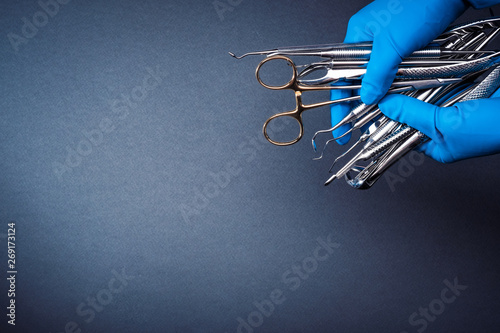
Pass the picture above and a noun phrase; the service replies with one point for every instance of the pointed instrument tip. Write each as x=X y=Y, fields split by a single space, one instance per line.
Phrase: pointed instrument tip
x=331 y=179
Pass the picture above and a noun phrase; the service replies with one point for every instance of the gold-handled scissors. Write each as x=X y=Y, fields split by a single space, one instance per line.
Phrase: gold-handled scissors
x=300 y=107
x=349 y=74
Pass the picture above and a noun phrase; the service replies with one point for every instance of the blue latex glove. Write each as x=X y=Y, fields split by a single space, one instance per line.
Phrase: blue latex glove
x=397 y=28
x=465 y=130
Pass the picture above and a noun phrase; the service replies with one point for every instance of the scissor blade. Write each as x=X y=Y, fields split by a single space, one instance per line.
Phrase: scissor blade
x=335 y=74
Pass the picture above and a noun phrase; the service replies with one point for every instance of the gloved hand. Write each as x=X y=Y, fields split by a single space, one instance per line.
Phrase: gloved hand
x=465 y=130
x=397 y=29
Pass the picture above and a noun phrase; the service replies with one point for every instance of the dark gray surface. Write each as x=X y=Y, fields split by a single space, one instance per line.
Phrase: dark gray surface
x=199 y=262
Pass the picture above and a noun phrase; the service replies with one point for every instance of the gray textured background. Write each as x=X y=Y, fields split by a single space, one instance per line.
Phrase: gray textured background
x=144 y=199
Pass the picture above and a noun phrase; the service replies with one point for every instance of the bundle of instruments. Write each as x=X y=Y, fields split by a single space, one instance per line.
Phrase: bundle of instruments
x=455 y=67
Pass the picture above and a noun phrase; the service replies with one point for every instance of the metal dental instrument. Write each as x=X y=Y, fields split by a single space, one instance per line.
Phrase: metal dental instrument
x=351 y=116
x=374 y=133
x=397 y=139
x=333 y=68
x=380 y=137
x=350 y=51
x=469 y=27
x=354 y=114
x=379 y=143
x=369 y=175
x=363 y=62
x=365 y=113
x=488 y=39
x=334 y=74
x=454 y=61
x=293 y=84
x=373 y=150
x=460 y=69
x=292 y=50
x=358 y=124
x=385 y=127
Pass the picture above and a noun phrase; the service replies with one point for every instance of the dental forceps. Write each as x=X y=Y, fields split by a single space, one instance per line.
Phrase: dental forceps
x=298 y=88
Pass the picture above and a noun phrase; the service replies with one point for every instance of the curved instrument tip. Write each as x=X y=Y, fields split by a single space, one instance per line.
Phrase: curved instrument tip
x=235 y=56
x=317 y=158
x=266 y=53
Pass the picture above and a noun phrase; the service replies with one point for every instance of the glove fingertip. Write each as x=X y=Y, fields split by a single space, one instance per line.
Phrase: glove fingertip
x=370 y=94
x=411 y=111
x=391 y=105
